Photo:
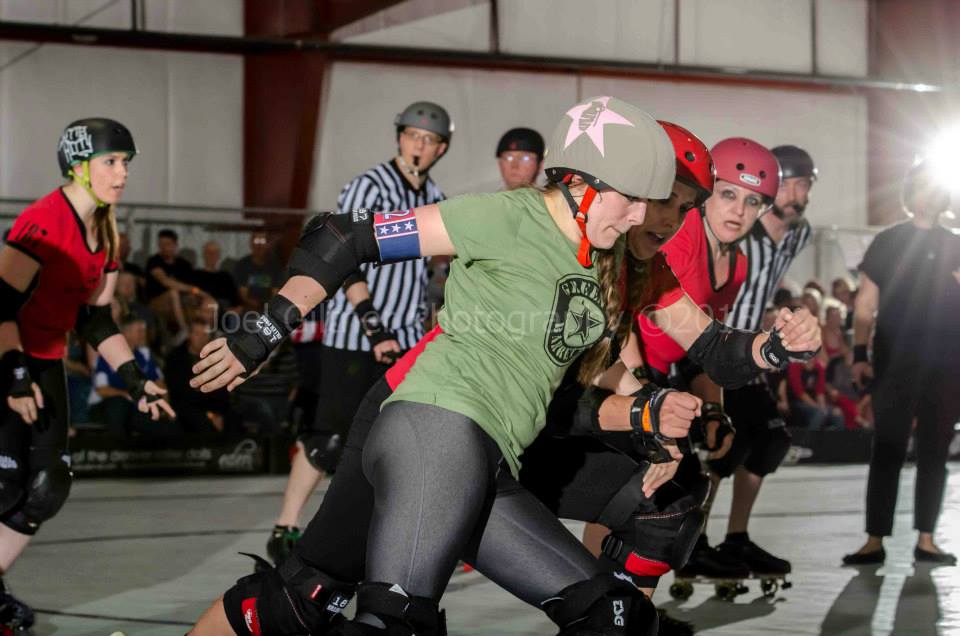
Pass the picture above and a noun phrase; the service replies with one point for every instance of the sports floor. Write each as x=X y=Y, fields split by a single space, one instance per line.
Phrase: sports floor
x=146 y=557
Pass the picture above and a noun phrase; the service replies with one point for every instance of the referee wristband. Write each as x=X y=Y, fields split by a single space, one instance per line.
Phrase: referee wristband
x=860 y=354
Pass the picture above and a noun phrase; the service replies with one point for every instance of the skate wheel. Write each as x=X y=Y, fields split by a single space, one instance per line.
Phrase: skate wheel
x=787 y=585
x=726 y=591
x=769 y=587
x=681 y=590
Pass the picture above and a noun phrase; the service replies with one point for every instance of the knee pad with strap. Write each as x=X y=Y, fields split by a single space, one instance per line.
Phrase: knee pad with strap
x=602 y=606
x=323 y=449
x=401 y=613
x=659 y=536
x=293 y=599
x=767 y=456
x=11 y=483
x=48 y=487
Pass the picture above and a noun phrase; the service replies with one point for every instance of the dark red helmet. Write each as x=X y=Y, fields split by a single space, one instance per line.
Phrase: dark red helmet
x=694 y=163
x=746 y=163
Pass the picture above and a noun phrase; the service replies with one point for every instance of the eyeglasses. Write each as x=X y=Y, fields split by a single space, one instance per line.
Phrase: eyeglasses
x=426 y=138
x=520 y=158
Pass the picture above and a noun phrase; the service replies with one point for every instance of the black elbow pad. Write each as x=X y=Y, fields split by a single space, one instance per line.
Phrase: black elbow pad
x=586 y=417
x=726 y=355
x=11 y=300
x=95 y=324
x=333 y=246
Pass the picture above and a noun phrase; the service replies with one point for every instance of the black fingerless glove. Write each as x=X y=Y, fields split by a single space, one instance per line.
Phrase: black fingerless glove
x=21 y=384
x=776 y=355
x=135 y=381
x=372 y=323
x=257 y=339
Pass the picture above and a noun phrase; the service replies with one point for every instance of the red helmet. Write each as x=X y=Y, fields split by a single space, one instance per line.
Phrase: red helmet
x=746 y=163
x=694 y=163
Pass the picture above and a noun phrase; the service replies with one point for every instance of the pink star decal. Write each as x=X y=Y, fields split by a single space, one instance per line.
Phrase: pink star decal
x=589 y=119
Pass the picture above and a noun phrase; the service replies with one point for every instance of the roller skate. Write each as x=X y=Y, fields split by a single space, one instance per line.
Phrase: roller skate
x=670 y=626
x=16 y=618
x=771 y=570
x=711 y=565
x=280 y=543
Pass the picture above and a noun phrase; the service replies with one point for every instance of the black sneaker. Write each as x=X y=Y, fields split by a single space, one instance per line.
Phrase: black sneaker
x=15 y=615
x=713 y=563
x=281 y=541
x=758 y=560
x=671 y=626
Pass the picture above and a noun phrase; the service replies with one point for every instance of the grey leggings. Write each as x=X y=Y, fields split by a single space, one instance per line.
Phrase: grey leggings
x=439 y=495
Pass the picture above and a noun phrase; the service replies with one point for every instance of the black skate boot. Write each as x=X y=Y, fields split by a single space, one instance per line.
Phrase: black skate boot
x=16 y=618
x=670 y=626
x=713 y=563
x=281 y=541
x=760 y=562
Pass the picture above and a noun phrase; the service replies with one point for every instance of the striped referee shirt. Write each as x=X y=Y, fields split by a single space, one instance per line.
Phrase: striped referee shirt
x=767 y=262
x=397 y=289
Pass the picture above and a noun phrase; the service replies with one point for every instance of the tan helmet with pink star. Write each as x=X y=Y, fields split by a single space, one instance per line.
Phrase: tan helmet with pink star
x=612 y=144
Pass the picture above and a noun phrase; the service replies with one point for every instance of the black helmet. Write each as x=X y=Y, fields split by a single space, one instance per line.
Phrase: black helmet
x=795 y=162
x=522 y=139
x=86 y=138
x=428 y=116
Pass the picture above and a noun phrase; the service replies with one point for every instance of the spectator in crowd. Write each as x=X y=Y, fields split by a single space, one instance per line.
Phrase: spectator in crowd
x=806 y=390
x=258 y=275
x=168 y=276
x=215 y=282
x=125 y=302
x=813 y=283
x=834 y=336
x=520 y=157
x=110 y=401
x=78 y=378
x=263 y=401
x=197 y=413
x=126 y=265
x=812 y=299
x=844 y=395
x=842 y=289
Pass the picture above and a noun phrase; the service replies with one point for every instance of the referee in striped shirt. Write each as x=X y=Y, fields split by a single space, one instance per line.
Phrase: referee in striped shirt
x=379 y=316
x=762 y=440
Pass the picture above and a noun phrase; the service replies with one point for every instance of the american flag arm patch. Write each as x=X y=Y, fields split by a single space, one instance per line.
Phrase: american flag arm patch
x=397 y=235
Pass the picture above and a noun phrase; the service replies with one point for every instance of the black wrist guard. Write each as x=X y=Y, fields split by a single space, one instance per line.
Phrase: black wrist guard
x=372 y=323
x=648 y=442
x=776 y=355
x=135 y=381
x=21 y=384
x=257 y=340
x=860 y=354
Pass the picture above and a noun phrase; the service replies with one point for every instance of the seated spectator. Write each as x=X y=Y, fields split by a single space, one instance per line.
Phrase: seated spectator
x=833 y=335
x=111 y=403
x=812 y=300
x=125 y=303
x=843 y=394
x=258 y=275
x=217 y=283
x=843 y=290
x=263 y=401
x=203 y=413
x=168 y=276
x=806 y=393
x=813 y=283
x=126 y=265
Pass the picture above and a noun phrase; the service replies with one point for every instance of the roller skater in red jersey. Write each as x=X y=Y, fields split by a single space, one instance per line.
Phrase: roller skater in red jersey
x=58 y=272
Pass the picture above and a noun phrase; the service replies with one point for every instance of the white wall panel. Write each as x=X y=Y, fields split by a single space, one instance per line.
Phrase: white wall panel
x=636 y=30
x=465 y=28
x=842 y=37
x=223 y=17
x=833 y=128
x=754 y=34
x=357 y=123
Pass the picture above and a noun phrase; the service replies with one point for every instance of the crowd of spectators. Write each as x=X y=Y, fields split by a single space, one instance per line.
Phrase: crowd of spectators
x=820 y=393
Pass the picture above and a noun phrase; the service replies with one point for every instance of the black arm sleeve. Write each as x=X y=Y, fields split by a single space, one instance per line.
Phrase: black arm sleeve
x=726 y=355
x=11 y=300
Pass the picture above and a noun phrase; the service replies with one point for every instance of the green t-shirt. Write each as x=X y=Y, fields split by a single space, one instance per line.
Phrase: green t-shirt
x=519 y=309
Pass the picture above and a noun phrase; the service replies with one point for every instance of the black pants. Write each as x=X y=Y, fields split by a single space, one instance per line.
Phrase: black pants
x=900 y=395
x=26 y=449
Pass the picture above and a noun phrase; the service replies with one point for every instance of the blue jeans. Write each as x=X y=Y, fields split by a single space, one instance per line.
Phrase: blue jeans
x=813 y=417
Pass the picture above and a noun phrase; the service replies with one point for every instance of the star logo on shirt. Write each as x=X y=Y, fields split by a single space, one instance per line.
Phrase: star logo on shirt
x=589 y=119
x=584 y=323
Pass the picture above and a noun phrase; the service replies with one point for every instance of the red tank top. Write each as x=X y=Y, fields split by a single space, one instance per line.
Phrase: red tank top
x=689 y=258
x=50 y=232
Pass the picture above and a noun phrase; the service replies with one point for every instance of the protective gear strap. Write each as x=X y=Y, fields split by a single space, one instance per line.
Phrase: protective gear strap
x=776 y=355
x=580 y=216
x=353 y=279
x=333 y=246
x=84 y=182
x=726 y=355
x=392 y=604
x=21 y=384
x=372 y=323
x=645 y=422
x=713 y=412
x=95 y=324
x=601 y=606
x=253 y=346
x=11 y=300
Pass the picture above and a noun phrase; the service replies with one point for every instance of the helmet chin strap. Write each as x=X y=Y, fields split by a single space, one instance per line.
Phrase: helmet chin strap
x=84 y=181
x=580 y=216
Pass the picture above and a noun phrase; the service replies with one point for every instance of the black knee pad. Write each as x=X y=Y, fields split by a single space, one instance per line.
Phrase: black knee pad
x=401 y=613
x=47 y=489
x=602 y=606
x=768 y=452
x=323 y=449
x=286 y=601
x=11 y=484
x=659 y=536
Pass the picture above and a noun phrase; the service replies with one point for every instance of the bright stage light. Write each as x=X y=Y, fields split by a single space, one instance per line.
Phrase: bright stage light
x=943 y=157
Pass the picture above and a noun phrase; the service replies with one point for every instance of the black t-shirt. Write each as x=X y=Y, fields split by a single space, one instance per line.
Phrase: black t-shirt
x=179 y=269
x=260 y=280
x=918 y=317
x=218 y=284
